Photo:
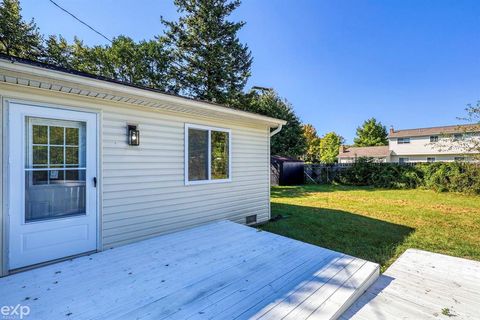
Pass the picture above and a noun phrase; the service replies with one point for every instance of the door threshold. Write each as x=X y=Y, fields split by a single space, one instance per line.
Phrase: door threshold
x=47 y=263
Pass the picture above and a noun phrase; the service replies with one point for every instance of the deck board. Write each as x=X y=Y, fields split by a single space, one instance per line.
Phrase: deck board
x=419 y=285
x=221 y=270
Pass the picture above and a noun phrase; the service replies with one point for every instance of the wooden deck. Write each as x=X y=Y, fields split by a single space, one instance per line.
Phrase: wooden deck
x=422 y=285
x=217 y=271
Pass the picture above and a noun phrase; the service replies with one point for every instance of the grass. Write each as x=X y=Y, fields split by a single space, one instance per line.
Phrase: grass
x=378 y=225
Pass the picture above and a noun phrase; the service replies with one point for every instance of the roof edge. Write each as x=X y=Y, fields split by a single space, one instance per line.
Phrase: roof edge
x=41 y=69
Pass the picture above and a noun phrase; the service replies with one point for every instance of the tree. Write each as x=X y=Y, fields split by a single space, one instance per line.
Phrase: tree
x=290 y=141
x=312 y=153
x=371 y=133
x=17 y=37
x=209 y=63
x=58 y=52
x=469 y=143
x=329 y=147
x=144 y=63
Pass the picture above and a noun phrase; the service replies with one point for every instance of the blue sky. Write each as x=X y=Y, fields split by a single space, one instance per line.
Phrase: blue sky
x=409 y=63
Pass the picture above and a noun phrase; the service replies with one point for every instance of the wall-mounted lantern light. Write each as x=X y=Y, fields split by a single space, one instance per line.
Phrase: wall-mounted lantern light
x=133 y=135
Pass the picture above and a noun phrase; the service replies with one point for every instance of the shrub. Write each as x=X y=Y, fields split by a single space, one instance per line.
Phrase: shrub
x=447 y=176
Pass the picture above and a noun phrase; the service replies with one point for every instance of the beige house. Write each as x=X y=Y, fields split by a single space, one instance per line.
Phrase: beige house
x=447 y=143
x=351 y=154
x=89 y=163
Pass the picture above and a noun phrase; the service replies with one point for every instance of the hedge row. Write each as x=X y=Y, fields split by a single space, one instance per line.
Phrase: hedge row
x=439 y=176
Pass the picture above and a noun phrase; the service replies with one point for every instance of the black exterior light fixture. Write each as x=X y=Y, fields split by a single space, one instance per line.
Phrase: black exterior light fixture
x=133 y=135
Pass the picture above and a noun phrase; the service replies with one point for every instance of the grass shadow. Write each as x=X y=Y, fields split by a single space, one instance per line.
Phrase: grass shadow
x=367 y=238
x=303 y=190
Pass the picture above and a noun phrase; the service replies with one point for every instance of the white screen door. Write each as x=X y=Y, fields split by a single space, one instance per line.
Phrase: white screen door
x=52 y=177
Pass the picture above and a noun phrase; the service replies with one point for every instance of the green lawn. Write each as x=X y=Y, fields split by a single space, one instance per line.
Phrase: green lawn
x=378 y=225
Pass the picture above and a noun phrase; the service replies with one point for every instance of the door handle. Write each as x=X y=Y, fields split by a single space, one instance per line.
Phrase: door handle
x=94 y=182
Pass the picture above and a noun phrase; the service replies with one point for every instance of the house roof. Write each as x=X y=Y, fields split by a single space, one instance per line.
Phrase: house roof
x=434 y=131
x=26 y=72
x=368 y=152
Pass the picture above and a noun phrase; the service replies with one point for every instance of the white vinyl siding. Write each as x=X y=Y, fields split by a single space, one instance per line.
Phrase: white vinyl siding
x=143 y=187
x=144 y=191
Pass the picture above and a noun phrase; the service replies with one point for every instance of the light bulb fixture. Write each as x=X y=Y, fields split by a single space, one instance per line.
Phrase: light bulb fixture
x=133 y=135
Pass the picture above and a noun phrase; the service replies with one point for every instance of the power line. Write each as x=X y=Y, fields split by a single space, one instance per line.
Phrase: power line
x=82 y=22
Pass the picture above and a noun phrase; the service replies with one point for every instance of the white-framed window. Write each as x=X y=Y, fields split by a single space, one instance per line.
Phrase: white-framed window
x=433 y=138
x=430 y=159
x=403 y=140
x=459 y=159
x=208 y=154
x=403 y=160
x=458 y=137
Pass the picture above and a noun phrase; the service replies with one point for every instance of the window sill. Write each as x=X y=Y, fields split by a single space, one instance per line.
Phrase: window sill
x=197 y=182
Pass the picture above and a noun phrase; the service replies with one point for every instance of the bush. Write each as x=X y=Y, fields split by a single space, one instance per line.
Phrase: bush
x=446 y=176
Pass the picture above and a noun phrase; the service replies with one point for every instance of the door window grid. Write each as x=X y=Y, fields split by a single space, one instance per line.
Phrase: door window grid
x=70 y=148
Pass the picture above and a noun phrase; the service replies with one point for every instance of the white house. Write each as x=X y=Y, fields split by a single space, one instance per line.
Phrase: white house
x=90 y=163
x=447 y=143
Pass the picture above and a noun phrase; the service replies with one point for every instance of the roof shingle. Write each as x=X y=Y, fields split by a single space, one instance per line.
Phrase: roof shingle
x=419 y=132
x=368 y=152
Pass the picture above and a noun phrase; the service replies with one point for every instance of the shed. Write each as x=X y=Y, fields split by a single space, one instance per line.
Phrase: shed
x=286 y=171
x=91 y=163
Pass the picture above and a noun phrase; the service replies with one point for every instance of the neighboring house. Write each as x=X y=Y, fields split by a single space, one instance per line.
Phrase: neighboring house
x=351 y=154
x=91 y=163
x=445 y=143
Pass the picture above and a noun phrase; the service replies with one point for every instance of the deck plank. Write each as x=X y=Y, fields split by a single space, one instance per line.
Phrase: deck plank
x=221 y=270
x=420 y=285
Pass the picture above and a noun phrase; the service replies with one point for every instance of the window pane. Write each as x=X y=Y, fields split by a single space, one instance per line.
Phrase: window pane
x=56 y=176
x=39 y=177
x=56 y=156
x=55 y=200
x=74 y=176
x=56 y=135
x=197 y=154
x=72 y=136
x=71 y=155
x=40 y=156
x=40 y=134
x=219 y=155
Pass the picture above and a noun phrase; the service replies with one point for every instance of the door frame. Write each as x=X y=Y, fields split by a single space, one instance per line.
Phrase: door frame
x=4 y=217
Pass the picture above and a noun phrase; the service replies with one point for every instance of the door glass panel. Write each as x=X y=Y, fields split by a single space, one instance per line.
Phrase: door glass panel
x=40 y=156
x=40 y=134
x=56 y=156
x=72 y=136
x=71 y=155
x=56 y=135
x=55 y=173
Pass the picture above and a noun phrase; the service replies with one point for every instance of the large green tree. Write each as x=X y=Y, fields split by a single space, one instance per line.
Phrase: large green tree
x=371 y=133
x=312 y=153
x=210 y=62
x=143 y=63
x=329 y=147
x=290 y=141
x=17 y=37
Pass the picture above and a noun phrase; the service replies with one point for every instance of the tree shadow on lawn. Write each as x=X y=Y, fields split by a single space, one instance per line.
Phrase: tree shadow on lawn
x=304 y=190
x=367 y=238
